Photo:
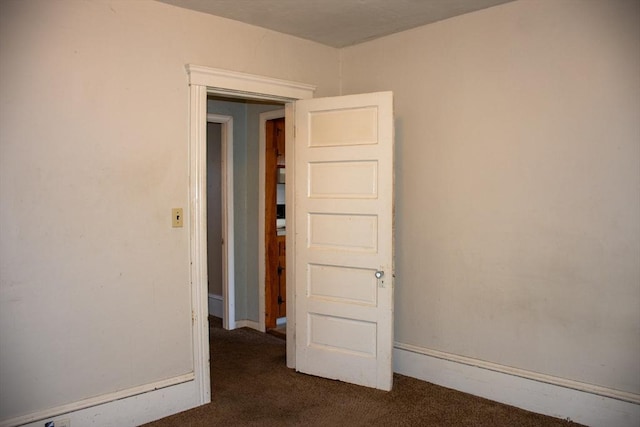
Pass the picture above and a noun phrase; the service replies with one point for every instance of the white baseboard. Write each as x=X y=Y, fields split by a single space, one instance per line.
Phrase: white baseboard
x=248 y=324
x=216 y=305
x=515 y=388
x=119 y=410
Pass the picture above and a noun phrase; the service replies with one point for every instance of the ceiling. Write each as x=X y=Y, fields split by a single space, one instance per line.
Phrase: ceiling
x=337 y=23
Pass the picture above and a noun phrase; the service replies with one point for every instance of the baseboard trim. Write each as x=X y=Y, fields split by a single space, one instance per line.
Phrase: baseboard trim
x=172 y=394
x=527 y=390
x=216 y=304
x=549 y=379
x=248 y=324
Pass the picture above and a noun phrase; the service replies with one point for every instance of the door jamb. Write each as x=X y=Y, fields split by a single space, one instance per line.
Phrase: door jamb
x=204 y=80
x=264 y=117
x=228 y=238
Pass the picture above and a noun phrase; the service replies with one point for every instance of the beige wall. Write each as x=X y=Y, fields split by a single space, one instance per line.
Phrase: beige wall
x=94 y=282
x=518 y=185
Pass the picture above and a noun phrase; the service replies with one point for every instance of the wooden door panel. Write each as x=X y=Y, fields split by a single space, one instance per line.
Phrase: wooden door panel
x=275 y=285
x=282 y=277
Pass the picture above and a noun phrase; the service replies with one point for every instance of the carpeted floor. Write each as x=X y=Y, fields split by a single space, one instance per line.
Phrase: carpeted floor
x=251 y=386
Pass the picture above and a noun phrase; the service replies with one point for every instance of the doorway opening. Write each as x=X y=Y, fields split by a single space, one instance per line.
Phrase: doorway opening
x=205 y=82
x=253 y=282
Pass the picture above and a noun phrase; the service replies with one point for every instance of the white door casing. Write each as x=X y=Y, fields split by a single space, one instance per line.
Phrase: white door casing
x=344 y=236
x=228 y=235
x=204 y=81
x=358 y=360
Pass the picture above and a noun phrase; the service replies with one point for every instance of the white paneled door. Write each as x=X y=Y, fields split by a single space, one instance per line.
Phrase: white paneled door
x=344 y=238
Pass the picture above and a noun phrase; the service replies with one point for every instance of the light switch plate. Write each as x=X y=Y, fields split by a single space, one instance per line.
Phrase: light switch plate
x=176 y=217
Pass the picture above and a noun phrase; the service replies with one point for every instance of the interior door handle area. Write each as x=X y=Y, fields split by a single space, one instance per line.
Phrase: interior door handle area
x=379 y=274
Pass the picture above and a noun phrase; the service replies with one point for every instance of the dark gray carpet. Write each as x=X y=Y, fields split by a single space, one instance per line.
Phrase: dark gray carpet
x=251 y=386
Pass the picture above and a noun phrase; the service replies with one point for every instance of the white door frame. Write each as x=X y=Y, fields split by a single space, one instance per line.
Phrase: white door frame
x=202 y=81
x=226 y=199
x=262 y=143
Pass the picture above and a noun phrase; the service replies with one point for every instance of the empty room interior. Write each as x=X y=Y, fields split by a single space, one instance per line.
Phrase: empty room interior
x=513 y=201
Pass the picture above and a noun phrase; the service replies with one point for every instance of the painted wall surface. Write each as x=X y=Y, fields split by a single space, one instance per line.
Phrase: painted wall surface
x=94 y=281
x=214 y=208
x=518 y=185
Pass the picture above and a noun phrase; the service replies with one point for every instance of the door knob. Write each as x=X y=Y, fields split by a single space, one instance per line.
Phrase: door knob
x=379 y=274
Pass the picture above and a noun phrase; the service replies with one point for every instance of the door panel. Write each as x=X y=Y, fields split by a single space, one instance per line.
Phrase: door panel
x=355 y=126
x=343 y=180
x=347 y=233
x=275 y=265
x=327 y=282
x=336 y=333
x=344 y=235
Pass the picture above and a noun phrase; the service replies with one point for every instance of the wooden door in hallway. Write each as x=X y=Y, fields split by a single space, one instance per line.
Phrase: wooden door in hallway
x=275 y=250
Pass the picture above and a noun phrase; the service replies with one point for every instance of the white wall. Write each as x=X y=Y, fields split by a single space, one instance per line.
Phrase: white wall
x=518 y=186
x=94 y=282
